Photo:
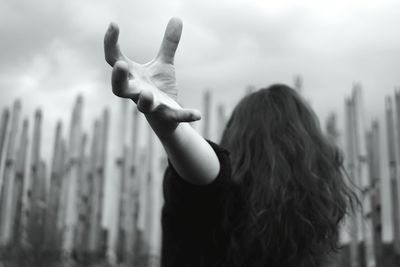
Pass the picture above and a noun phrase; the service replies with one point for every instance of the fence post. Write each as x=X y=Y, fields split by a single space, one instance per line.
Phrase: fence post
x=54 y=191
x=133 y=193
x=95 y=190
x=82 y=195
x=72 y=175
x=375 y=180
x=298 y=84
x=19 y=184
x=391 y=141
x=3 y=134
x=122 y=164
x=62 y=169
x=363 y=177
x=207 y=114
x=35 y=234
x=101 y=165
x=350 y=144
x=6 y=196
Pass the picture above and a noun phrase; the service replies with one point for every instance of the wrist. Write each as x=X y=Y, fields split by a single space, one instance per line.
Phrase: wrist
x=161 y=126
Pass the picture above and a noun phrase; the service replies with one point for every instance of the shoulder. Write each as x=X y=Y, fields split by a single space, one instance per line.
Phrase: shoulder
x=175 y=188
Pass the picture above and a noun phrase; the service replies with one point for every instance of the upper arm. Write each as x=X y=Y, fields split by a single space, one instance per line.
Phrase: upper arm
x=191 y=155
x=180 y=192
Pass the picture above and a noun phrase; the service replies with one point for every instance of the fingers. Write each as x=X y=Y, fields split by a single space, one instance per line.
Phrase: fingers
x=145 y=102
x=185 y=115
x=120 y=79
x=112 y=52
x=170 y=41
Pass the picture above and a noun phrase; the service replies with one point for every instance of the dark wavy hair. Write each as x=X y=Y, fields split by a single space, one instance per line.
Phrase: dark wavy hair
x=289 y=191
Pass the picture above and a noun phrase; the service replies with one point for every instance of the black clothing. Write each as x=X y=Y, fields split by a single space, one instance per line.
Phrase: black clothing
x=192 y=218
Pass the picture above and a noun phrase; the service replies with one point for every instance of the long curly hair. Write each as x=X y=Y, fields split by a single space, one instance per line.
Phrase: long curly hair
x=289 y=191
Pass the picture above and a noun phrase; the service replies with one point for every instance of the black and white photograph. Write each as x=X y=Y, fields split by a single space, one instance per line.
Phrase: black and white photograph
x=184 y=133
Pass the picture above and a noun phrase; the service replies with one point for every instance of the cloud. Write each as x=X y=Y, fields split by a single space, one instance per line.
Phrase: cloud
x=28 y=27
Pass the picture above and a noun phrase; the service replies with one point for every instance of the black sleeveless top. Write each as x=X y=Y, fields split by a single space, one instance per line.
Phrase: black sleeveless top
x=192 y=218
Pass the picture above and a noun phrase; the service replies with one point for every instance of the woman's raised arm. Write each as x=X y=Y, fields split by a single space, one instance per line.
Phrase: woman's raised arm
x=152 y=86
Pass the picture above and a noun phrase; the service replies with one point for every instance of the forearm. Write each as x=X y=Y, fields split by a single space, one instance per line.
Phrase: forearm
x=191 y=155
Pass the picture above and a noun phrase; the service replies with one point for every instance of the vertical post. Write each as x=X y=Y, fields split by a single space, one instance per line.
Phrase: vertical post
x=397 y=189
x=298 y=84
x=19 y=185
x=6 y=196
x=72 y=175
x=374 y=163
x=95 y=190
x=141 y=241
x=61 y=168
x=156 y=171
x=35 y=233
x=84 y=228
x=40 y=205
x=54 y=190
x=363 y=177
x=3 y=133
x=42 y=197
x=122 y=164
x=123 y=206
x=101 y=172
x=350 y=143
x=207 y=113
x=331 y=130
x=135 y=138
x=151 y=198
x=391 y=142
x=79 y=238
x=148 y=196
x=133 y=192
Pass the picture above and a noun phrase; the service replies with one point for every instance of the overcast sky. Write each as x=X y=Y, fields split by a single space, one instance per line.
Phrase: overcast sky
x=53 y=50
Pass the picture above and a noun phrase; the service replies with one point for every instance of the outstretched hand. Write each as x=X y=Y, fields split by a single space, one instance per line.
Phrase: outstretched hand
x=152 y=86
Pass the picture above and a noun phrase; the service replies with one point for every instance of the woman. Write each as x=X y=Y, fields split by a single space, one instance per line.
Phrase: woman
x=271 y=194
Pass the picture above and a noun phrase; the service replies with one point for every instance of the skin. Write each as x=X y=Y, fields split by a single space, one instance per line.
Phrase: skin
x=152 y=86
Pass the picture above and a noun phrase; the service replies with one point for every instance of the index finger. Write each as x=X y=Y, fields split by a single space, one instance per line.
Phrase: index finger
x=112 y=52
x=170 y=41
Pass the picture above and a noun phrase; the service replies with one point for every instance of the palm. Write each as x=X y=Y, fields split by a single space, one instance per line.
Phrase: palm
x=156 y=77
x=162 y=76
x=155 y=81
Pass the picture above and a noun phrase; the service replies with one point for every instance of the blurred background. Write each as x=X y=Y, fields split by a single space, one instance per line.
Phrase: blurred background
x=81 y=172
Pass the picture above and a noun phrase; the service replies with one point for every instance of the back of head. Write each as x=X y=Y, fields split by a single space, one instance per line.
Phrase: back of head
x=290 y=180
